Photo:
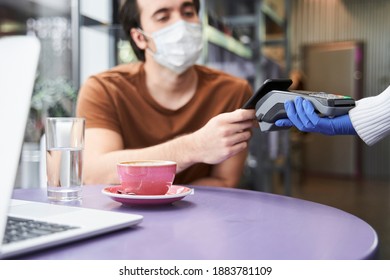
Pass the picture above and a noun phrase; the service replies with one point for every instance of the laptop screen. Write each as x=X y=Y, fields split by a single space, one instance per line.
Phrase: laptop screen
x=19 y=57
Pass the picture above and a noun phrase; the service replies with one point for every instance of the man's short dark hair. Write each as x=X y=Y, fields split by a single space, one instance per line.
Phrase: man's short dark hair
x=129 y=15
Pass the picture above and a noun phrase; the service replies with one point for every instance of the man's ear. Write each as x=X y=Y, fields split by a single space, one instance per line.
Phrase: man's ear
x=138 y=38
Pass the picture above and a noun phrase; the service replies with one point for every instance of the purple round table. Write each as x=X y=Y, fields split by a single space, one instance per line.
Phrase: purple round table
x=220 y=223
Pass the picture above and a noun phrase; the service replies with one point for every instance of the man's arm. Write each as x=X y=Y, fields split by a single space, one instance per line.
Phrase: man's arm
x=222 y=138
x=226 y=174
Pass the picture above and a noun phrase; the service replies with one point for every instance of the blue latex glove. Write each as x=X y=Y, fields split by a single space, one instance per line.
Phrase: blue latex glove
x=301 y=115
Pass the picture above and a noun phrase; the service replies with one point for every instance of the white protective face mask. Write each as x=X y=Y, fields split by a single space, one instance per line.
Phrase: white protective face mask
x=178 y=46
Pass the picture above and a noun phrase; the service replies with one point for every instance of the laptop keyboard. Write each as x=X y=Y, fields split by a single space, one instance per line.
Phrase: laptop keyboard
x=21 y=229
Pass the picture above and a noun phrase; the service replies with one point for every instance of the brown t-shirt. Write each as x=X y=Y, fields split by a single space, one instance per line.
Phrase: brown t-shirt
x=119 y=100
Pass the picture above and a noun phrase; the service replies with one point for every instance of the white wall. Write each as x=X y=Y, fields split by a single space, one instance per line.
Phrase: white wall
x=343 y=20
x=96 y=44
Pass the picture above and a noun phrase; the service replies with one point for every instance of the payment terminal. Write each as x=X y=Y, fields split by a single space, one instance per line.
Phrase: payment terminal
x=271 y=96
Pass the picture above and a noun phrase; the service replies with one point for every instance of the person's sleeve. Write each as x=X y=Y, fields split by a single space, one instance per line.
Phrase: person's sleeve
x=96 y=105
x=371 y=117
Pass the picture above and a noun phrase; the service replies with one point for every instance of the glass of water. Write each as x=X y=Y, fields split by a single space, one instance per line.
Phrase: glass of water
x=64 y=158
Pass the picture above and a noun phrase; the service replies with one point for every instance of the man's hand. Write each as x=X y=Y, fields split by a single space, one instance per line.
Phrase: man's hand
x=223 y=136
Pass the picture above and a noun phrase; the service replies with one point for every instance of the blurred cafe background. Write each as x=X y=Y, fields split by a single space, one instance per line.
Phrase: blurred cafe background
x=338 y=46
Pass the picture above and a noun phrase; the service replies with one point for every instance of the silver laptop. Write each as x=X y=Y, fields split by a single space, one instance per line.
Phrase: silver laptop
x=18 y=62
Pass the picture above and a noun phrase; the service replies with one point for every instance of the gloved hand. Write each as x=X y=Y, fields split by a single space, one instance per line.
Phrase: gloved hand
x=301 y=115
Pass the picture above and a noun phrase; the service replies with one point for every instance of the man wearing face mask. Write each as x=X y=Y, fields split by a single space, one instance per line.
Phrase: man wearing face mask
x=165 y=106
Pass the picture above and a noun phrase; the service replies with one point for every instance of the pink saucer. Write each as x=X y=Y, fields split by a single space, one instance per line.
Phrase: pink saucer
x=174 y=193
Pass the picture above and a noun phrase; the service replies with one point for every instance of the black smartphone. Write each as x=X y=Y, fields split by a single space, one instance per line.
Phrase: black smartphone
x=267 y=86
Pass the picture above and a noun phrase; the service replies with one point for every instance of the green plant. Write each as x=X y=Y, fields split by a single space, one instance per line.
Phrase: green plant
x=54 y=97
x=51 y=98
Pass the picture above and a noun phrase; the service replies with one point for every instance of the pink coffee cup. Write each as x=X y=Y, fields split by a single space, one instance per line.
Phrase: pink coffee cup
x=146 y=177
